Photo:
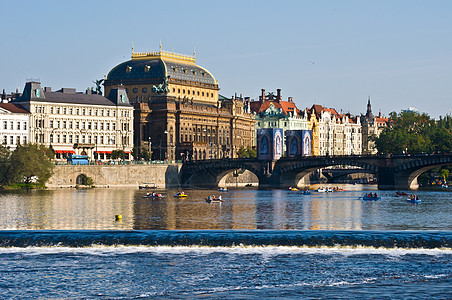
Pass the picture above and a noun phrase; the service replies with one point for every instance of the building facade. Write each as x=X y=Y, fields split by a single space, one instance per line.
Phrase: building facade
x=14 y=125
x=372 y=126
x=273 y=112
x=78 y=123
x=178 y=112
x=338 y=134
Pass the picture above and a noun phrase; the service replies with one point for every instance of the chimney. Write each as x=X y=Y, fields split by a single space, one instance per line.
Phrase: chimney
x=47 y=89
x=278 y=95
x=262 y=97
x=290 y=99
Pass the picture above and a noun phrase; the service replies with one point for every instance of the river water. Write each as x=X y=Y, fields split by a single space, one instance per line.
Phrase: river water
x=67 y=243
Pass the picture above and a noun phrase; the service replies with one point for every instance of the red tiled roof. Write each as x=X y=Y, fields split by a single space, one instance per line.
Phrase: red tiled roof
x=14 y=108
x=286 y=106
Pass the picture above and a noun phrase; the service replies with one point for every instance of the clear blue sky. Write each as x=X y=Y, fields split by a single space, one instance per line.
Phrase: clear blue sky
x=333 y=53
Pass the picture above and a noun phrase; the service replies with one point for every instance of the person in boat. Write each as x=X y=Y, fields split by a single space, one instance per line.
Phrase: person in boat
x=219 y=198
x=375 y=195
x=209 y=198
x=148 y=194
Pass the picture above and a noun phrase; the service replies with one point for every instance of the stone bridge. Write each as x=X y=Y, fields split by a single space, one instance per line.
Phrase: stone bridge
x=393 y=172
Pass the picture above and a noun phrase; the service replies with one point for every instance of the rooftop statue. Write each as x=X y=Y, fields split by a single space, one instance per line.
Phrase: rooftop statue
x=162 y=88
x=98 y=88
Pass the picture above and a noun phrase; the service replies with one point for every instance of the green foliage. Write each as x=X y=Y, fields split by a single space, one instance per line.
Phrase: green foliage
x=4 y=163
x=135 y=153
x=412 y=133
x=115 y=154
x=145 y=154
x=29 y=164
x=247 y=152
x=86 y=180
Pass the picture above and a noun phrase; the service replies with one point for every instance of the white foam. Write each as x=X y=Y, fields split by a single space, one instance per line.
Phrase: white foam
x=266 y=251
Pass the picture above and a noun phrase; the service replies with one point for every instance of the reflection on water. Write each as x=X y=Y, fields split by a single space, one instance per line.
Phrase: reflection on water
x=242 y=209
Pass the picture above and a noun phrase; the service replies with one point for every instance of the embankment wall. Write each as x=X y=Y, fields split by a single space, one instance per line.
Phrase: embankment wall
x=164 y=176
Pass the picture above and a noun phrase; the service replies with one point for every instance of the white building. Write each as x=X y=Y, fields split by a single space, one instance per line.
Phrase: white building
x=14 y=125
x=339 y=134
x=79 y=123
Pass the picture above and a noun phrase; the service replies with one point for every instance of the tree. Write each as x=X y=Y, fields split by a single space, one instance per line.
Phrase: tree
x=413 y=132
x=4 y=163
x=115 y=154
x=247 y=152
x=29 y=164
x=135 y=153
x=145 y=154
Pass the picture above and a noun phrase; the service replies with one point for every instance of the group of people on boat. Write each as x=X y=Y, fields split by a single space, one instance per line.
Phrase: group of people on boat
x=414 y=197
x=370 y=195
x=154 y=195
x=214 y=198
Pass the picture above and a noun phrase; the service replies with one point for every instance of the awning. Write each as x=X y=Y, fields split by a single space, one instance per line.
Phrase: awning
x=65 y=151
x=103 y=152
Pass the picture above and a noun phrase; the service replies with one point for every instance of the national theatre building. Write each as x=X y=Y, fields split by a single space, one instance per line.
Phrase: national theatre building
x=178 y=112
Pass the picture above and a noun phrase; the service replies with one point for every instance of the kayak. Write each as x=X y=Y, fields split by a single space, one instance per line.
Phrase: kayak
x=413 y=200
x=371 y=198
x=180 y=195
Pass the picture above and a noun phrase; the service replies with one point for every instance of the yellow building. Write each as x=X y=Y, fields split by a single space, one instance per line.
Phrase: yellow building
x=178 y=112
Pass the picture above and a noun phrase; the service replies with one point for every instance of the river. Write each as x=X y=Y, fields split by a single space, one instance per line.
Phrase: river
x=67 y=243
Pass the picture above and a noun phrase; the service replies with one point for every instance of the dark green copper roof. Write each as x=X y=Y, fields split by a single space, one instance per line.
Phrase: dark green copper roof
x=159 y=69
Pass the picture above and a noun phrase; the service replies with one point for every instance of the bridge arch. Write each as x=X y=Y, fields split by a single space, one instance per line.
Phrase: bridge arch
x=408 y=171
x=209 y=173
x=292 y=172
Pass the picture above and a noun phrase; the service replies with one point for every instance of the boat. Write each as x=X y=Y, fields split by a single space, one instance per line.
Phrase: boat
x=223 y=189
x=306 y=192
x=401 y=194
x=321 y=190
x=248 y=184
x=413 y=200
x=214 y=201
x=329 y=190
x=293 y=189
x=371 y=197
x=154 y=196
x=147 y=186
x=180 y=195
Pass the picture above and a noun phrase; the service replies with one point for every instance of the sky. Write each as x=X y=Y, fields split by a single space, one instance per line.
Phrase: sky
x=333 y=53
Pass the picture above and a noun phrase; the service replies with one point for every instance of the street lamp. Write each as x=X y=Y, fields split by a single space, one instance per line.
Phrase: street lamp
x=150 y=148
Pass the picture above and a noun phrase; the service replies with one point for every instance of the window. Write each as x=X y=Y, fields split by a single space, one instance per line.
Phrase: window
x=95 y=125
x=11 y=126
x=107 y=126
x=83 y=125
x=70 y=111
x=89 y=125
x=51 y=124
x=89 y=112
x=108 y=112
x=113 y=126
x=77 y=111
x=102 y=112
x=83 y=111
x=58 y=110
x=64 y=139
x=70 y=139
x=77 y=125
x=18 y=127
x=51 y=109
x=101 y=139
x=24 y=139
x=64 y=110
x=64 y=124
x=135 y=90
x=5 y=125
x=70 y=124
x=25 y=125
x=144 y=90
x=11 y=139
x=17 y=140
x=101 y=125
x=5 y=140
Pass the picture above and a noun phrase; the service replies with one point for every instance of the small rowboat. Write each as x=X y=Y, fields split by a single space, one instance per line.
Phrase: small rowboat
x=214 y=201
x=306 y=192
x=413 y=200
x=223 y=189
x=365 y=197
x=180 y=195
x=156 y=196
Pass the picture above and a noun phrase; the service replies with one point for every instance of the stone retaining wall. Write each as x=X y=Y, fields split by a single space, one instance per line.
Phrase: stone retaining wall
x=163 y=176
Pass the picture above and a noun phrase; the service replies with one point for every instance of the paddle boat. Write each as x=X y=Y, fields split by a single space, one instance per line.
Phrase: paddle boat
x=223 y=189
x=321 y=190
x=371 y=197
x=293 y=189
x=153 y=195
x=401 y=194
x=180 y=195
x=305 y=192
x=413 y=199
x=147 y=186
x=213 y=199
